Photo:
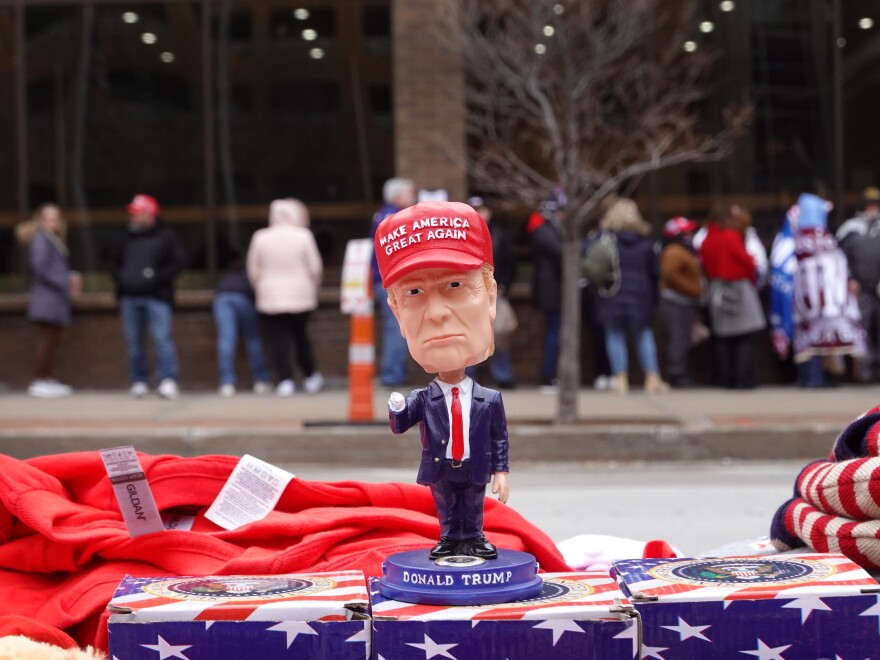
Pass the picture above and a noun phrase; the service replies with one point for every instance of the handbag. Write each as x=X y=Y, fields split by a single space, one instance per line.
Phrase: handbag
x=505 y=320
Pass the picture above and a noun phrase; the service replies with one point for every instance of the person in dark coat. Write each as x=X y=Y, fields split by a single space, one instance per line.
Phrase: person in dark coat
x=501 y=362
x=49 y=301
x=545 y=236
x=144 y=268
x=628 y=303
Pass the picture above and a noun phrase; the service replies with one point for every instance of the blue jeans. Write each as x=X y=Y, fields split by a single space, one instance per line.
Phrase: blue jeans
x=615 y=344
x=551 y=347
x=140 y=313
x=394 y=368
x=234 y=312
x=500 y=366
x=811 y=373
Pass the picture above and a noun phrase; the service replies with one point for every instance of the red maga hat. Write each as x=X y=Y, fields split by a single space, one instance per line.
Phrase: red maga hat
x=678 y=225
x=431 y=235
x=143 y=203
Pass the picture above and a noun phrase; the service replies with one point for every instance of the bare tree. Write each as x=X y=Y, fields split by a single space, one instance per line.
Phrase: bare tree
x=589 y=95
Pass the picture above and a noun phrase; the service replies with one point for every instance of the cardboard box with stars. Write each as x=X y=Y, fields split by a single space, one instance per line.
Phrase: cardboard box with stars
x=780 y=607
x=324 y=616
x=577 y=616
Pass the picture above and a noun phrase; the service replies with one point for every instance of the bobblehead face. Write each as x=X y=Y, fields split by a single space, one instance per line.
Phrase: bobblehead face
x=446 y=317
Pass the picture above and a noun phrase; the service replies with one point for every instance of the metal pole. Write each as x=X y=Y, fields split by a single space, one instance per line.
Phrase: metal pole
x=837 y=112
x=208 y=136
x=21 y=153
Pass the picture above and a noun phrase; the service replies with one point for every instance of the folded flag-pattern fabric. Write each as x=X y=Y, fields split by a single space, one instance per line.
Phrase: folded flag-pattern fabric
x=64 y=547
x=836 y=503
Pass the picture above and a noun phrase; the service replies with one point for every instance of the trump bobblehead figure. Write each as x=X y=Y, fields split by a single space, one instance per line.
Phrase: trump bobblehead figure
x=435 y=259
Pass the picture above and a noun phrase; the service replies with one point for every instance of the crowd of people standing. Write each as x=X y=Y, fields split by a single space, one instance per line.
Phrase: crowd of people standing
x=818 y=293
x=821 y=300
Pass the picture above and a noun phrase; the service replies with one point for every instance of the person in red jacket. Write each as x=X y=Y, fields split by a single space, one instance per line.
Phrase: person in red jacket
x=735 y=309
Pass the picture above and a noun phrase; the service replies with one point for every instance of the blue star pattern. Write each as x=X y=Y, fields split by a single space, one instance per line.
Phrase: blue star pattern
x=794 y=607
x=505 y=639
x=243 y=640
x=771 y=629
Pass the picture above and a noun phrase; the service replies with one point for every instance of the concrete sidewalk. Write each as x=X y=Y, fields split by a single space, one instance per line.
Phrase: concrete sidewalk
x=766 y=423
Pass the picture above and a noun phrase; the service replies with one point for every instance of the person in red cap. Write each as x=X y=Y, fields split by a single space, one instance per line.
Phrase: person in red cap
x=435 y=260
x=144 y=268
x=681 y=289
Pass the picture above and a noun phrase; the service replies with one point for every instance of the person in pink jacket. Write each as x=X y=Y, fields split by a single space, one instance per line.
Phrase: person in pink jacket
x=284 y=267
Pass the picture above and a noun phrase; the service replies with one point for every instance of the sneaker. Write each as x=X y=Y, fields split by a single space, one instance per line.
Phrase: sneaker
x=262 y=387
x=139 y=390
x=549 y=388
x=227 y=390
x=313 y=383
x=168 y=389
x=49 y=389
x=285 y=388
x=602 y=383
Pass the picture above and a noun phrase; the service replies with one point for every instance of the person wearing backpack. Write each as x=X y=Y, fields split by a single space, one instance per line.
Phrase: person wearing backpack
x=626 y=299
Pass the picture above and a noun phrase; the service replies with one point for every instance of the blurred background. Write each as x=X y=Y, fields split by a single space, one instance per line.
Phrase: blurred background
x=216 y=107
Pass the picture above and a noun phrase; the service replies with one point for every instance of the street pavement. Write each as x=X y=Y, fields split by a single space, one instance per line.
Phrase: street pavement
x=699 y=468
x=696 y=506
x=768 y=423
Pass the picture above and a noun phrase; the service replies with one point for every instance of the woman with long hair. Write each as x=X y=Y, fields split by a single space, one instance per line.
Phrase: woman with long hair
x=50 y=291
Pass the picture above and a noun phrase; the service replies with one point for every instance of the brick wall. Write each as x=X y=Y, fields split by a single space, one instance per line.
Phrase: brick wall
x=428 y=99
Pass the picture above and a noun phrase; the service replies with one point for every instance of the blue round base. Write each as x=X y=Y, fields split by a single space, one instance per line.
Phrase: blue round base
x=460 y=580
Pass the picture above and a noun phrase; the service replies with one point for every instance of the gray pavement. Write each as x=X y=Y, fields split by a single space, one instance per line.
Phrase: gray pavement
x=696 y=506
x=698 y=424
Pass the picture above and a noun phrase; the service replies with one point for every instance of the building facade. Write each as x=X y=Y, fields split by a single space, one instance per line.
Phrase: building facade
x=216 y=107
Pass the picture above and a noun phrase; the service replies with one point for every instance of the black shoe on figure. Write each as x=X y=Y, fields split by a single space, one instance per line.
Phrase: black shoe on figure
x=445 y=548
x=478 y=547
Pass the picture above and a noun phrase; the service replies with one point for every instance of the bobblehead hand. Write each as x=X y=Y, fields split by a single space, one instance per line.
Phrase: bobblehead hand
x=501 y=486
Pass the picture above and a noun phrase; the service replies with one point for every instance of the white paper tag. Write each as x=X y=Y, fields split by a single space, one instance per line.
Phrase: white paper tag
x=132 y=491
x=251 y=492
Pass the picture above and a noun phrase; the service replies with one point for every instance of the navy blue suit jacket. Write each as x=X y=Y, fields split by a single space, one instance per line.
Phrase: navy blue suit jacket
x=488 y=431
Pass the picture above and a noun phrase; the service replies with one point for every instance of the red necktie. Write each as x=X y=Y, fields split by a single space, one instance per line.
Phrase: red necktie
x=457 y=427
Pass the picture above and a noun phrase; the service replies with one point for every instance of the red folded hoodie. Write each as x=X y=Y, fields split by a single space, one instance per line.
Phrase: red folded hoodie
x=64 y=546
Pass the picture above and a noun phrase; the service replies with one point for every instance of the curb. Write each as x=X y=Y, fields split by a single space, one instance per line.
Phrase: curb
x=375 y=446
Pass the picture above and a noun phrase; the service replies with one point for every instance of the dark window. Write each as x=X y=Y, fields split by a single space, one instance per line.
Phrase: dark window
x=238 y=26
x=310 y=101
x=133 y=87
x=380 y=101
x=43 y=21
x=377 y=28
x=40 y=98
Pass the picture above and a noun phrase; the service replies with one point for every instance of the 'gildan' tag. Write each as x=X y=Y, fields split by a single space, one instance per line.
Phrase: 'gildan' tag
x=251 y=492
x=132 y=491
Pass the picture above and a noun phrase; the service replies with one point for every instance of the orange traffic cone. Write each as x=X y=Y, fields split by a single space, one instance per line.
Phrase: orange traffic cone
x=361 y=359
